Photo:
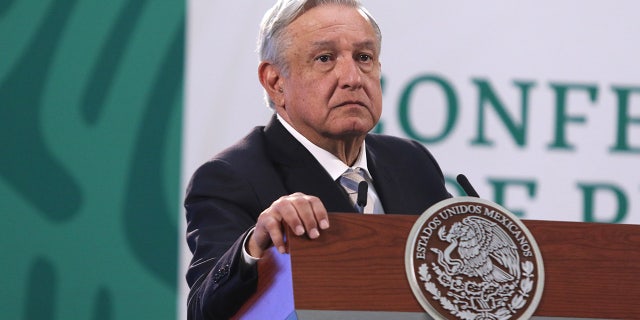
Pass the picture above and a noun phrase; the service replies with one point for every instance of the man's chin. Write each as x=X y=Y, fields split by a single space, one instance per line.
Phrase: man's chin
x=355 y=129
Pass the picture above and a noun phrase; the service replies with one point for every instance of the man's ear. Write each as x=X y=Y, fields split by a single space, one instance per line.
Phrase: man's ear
x=272 y=81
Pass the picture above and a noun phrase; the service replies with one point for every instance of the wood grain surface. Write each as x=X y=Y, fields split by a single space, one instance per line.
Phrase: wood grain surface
x=591 y=270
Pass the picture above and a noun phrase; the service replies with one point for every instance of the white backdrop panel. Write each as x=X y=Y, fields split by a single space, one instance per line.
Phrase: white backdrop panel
x=573 y=62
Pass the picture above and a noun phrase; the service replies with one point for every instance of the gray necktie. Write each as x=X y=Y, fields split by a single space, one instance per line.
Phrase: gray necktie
x=350 y=180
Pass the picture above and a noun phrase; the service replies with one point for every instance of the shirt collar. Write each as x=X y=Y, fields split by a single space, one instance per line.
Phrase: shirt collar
x=334 y=166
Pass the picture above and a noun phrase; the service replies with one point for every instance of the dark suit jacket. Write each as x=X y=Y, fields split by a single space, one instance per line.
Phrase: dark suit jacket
x=226 y=195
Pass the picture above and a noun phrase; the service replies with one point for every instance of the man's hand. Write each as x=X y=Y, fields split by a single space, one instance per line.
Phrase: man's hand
x=302 y=213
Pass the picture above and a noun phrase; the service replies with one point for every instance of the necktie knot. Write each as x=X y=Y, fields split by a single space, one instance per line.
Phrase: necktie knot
x=351 y=178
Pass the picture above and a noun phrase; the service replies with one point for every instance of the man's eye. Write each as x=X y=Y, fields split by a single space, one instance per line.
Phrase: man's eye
x=364 y=58
x=323 y=58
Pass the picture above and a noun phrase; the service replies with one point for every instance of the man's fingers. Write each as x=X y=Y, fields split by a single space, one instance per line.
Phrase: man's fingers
x=320 y=213
x=309 y=213
x=261 y=239
x=269 y=231
x=299 y=212
x=285 y=208
x=303 y=216
x=277 y=239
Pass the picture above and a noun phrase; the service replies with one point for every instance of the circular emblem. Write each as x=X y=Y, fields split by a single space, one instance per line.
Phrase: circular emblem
x=469 y=258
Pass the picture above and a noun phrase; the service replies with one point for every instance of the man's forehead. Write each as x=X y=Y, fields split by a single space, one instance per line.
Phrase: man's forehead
x=330 y=23
x=330 y=16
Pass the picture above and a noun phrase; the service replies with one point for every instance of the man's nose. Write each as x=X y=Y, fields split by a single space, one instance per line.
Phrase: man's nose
x=349 y=74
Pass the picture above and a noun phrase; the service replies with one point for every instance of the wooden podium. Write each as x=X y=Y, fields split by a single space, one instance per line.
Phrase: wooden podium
x=356 y=270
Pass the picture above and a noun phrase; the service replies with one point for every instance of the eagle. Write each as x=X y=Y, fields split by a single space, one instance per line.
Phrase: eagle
x=484 y=249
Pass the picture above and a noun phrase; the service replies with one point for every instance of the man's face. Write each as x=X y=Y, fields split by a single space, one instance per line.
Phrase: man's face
x=332 y=89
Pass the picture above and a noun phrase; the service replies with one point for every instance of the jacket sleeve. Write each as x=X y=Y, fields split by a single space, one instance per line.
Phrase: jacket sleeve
x=221 y=208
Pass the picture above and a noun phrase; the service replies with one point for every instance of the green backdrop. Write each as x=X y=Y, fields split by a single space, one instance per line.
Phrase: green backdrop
x=90 y=120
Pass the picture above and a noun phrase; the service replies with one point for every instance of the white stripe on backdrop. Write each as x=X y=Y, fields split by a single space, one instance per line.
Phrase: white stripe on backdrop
x=223 y=98
x=574 y=155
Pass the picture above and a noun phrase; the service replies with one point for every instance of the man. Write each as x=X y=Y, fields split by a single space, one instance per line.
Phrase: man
x=320 y=70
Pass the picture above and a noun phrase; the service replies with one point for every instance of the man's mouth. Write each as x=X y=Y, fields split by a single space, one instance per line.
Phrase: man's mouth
x=351 y=102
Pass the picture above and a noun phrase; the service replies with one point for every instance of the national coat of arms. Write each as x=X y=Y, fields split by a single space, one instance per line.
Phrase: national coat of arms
x=468 y=258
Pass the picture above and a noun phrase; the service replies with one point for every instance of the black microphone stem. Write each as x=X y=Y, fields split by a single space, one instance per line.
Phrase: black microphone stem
x=466 y=186
x=363 y=187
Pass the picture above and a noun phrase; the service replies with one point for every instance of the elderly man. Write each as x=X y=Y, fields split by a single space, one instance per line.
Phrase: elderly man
x=320 y=70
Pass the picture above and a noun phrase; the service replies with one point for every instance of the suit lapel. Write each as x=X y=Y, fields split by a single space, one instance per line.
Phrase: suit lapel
x=300 y=171
x=391 y=189
x=387 y=186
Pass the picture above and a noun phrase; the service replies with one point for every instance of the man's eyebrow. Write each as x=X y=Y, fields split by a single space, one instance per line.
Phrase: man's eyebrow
x=366 y=44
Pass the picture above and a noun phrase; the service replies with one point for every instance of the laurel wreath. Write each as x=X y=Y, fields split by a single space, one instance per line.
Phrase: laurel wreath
x=517 y=302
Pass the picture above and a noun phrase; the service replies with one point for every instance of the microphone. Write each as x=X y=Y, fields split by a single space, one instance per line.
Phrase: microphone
x=466 y=186
x=363 y=187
